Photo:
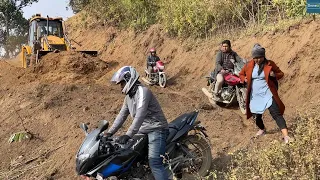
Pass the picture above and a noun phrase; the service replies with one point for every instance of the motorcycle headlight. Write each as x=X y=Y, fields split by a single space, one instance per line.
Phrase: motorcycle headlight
x=81 y=163
x=83 y=157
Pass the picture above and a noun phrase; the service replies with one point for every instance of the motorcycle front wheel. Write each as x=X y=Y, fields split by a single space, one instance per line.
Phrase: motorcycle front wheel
x=162 y=80
x=241 y=98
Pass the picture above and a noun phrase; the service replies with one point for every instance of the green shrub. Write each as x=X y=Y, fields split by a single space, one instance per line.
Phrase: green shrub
x=186 y=17
x=291 y=8
x=138 y=14
x=198 y=18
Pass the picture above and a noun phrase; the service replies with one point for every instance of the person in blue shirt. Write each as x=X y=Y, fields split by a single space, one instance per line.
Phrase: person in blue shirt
x=261 y=76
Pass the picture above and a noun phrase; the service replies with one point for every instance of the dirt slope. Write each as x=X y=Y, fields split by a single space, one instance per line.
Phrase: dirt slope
x=67 y=88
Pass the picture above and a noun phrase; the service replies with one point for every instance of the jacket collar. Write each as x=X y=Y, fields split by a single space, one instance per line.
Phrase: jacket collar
x=253 y=64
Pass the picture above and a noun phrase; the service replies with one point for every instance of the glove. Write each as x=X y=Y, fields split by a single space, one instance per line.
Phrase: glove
x=123 y=139
x=108 y=135
x=105 y=137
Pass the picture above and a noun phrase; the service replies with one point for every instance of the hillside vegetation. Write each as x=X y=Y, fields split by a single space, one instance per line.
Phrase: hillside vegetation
x=198 y=18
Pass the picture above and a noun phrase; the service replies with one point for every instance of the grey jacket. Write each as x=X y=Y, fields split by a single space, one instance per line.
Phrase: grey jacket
x=151 y=60
x=223 y=60
x=145 y=111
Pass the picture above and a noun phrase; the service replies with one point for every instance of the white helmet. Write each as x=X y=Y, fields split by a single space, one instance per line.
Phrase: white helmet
x=128 y=74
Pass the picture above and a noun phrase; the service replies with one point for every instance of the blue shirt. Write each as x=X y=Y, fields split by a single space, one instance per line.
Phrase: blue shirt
x=261 y=96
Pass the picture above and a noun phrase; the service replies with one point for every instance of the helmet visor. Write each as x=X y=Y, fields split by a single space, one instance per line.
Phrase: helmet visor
x=119 y=75
x=116 y=78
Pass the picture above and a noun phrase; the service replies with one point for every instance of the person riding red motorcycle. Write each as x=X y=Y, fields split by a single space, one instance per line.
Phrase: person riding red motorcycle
x=225 y=60
x=152 y=59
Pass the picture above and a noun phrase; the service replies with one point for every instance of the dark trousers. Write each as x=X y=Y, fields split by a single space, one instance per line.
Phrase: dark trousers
x=276 y=115
x=150 y=69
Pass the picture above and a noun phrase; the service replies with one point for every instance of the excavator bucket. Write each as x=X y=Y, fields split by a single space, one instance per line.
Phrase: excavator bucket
x=42 y=53
x=92 y=53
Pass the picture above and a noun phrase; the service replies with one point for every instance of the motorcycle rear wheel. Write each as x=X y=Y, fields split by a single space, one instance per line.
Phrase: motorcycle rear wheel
x=201 y=164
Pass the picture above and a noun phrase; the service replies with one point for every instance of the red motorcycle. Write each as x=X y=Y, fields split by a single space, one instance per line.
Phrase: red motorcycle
x=157 y=75
x=232 y=90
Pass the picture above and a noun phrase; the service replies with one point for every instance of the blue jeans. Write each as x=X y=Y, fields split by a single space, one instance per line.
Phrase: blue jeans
x=157 y=147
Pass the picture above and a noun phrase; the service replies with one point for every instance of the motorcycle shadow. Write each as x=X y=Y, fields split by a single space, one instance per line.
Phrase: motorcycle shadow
x=232 y=106
x=220 y=165
x=171 y=81
x=175 y=80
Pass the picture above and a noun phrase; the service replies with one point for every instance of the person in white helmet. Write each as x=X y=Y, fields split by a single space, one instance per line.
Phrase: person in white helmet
x=147 y=115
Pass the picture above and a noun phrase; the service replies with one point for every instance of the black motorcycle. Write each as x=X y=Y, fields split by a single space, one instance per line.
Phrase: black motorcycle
x=188 y=152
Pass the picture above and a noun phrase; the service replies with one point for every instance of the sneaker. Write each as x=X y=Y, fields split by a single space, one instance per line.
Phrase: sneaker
x=287 y=139
x=261 y=132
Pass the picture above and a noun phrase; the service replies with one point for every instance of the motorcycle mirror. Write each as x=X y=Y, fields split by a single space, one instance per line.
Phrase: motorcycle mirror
x=104 y=124
x=84 y=127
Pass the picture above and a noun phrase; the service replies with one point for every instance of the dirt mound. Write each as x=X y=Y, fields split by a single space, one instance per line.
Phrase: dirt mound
x=69 y=67
x=9 y=75
x=16 y=61
x=51 y=99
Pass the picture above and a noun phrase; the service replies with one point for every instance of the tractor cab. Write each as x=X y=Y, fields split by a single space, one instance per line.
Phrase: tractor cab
x=50 y=28
x=46 y=34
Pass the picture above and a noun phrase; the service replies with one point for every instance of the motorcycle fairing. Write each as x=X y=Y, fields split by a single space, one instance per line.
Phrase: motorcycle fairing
x=120 y=160
x=124 y=156
x=110 y=169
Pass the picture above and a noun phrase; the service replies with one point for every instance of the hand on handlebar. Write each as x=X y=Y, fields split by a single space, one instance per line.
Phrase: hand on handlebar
x=151 y=63
x=223 y=71
x=123 y=139
x=106 y=137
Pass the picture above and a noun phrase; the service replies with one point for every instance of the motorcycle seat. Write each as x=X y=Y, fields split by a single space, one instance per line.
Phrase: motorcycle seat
x=179 y=123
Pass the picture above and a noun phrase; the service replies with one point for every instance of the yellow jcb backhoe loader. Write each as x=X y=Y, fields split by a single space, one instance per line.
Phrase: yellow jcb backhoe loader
x=46 y=35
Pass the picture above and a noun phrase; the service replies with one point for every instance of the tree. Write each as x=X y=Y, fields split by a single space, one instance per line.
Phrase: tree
x=14 y=26
x=78 y=5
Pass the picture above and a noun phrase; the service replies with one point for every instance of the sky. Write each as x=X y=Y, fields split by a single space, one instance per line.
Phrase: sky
x=53 y=8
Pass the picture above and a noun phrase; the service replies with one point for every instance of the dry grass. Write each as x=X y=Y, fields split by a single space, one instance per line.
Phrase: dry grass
x=299 y=159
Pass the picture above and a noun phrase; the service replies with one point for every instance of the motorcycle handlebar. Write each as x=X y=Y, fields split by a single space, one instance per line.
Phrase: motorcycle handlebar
x=114 y=140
